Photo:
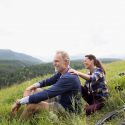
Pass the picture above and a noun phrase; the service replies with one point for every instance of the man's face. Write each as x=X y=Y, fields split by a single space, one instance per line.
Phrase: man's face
x=59 y=63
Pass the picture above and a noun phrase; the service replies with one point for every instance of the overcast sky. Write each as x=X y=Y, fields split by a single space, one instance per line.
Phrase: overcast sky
x=40 y=27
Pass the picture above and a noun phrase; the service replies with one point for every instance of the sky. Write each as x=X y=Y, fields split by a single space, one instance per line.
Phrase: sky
x=41 y=27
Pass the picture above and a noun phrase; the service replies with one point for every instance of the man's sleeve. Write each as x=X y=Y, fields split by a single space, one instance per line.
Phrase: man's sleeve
x=50 y=81
x=63 y=85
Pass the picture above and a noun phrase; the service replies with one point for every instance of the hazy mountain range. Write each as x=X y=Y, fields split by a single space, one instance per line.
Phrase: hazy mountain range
x=9 y=55
x=81 y=56
x=6 y=54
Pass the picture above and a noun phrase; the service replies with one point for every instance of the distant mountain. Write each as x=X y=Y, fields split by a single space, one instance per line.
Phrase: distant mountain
x=77 y=57
x=46 y=59
x=103 y=58
x=118 y=56
x=6 y=54
x=72 y=58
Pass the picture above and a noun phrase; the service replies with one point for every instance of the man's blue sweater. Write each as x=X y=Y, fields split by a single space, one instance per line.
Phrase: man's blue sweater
x=66 y=86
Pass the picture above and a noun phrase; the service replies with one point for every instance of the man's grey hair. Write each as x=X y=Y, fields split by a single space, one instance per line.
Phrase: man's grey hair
x=64 y=54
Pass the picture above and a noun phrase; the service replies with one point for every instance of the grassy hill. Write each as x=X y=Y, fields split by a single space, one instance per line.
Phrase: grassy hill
x=116 y=99
x=6 y=54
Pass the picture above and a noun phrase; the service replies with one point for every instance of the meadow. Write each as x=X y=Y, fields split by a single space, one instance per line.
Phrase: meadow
x=116 y=99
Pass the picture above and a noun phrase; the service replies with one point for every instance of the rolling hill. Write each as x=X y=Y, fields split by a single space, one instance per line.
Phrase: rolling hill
x=6 y=54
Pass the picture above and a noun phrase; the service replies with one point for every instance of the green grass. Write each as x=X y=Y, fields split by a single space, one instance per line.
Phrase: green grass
x=116 y=99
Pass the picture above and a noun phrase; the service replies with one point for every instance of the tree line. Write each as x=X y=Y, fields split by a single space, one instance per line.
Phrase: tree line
x=9 y=76
x=11 y=73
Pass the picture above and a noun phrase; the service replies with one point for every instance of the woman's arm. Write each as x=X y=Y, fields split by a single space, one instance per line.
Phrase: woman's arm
x=82 y=75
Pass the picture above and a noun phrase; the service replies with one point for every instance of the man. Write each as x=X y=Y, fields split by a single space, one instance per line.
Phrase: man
x=64 y=85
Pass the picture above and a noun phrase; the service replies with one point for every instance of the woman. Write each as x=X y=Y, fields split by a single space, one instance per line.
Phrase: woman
x=94 y=90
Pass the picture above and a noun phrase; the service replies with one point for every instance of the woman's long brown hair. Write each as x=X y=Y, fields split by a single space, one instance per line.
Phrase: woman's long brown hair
x=97 y=63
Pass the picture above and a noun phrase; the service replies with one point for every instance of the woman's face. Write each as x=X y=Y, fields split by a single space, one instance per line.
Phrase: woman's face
x=88 y=63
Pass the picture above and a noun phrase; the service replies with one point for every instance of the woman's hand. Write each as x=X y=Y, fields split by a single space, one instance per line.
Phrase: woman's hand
x=82 y=75
x=73 y=71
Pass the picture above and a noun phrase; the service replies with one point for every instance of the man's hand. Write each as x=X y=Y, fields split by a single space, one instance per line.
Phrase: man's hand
x=29 y=90
x=15 y=107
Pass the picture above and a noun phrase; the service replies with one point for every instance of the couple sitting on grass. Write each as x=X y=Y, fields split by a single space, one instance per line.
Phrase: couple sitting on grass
x=66 y=90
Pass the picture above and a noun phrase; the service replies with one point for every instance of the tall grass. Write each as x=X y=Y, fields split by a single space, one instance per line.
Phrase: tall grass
x=115 y=100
